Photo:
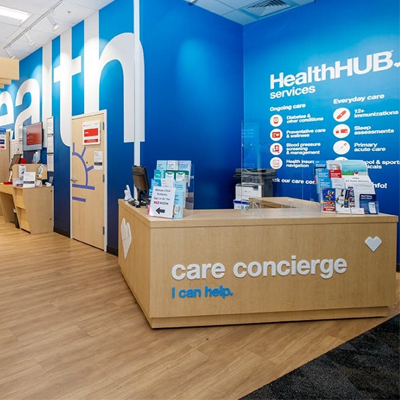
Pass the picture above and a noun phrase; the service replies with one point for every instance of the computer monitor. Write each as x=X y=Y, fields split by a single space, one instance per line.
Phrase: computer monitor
x=141 y=182
x=33 y=137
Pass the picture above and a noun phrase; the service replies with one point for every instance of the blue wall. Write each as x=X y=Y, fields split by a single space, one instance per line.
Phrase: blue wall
x=193 y=100
x=195 y=66
x=310 y=36
x=194 y=94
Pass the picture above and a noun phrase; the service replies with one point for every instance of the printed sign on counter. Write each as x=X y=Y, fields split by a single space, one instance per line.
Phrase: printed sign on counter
x=29 y=179
x=91 y=133
x=162 y=202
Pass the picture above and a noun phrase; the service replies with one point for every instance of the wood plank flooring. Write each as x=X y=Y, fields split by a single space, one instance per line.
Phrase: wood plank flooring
x=70 y=329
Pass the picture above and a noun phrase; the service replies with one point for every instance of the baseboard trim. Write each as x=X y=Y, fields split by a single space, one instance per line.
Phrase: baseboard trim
x=62 y=232
x=112 y=251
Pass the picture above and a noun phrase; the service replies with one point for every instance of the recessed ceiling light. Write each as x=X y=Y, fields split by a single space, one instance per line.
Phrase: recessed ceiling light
x=15 y=14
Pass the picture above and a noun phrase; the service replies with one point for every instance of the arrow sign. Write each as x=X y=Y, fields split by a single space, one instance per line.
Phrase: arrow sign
x=162 y=202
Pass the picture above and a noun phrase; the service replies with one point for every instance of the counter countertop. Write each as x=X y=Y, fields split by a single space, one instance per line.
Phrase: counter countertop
x=305 y=215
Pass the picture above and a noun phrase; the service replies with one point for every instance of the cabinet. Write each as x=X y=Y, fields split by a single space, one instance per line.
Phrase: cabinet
x=34 y=207
x=282 y=264
x=6 y=202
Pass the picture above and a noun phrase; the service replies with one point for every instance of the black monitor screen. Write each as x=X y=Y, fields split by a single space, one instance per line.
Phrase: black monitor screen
x=141 y=182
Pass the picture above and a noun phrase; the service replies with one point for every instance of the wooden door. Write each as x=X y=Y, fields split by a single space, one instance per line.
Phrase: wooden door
x=88 y=169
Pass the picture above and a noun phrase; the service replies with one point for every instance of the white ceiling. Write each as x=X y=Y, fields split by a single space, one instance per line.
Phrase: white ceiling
x=246 y=11
x=67 y=14
x=71 y=12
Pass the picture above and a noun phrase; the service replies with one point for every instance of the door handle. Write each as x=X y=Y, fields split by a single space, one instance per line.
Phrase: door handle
x=73 y=180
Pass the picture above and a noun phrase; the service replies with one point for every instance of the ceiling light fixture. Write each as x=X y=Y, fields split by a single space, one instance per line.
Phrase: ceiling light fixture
x=53 y=22
x=29 y=39
x=34 y=23
x=15 y=14
x=8 y=51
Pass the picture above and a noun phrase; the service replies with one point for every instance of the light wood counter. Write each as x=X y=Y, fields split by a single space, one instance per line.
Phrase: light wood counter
x=34 y=207
x=6 y=202
x=286 y=236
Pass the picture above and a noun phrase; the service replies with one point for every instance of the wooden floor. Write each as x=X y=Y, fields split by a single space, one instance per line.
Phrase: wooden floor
x=70 y=329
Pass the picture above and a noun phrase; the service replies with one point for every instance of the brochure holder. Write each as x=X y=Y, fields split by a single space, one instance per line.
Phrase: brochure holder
x=344 y=187
x=189 y=201
x=179 y=176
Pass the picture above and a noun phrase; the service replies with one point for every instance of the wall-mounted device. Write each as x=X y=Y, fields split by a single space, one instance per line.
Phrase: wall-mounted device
x=33 y=137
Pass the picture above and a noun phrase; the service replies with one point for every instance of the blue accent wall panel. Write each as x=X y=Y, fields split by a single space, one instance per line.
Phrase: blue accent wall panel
x=120 y=154
x=61 y=155
x=343 y=55
x=78 y=80
x=194 y=94
x=115 y=19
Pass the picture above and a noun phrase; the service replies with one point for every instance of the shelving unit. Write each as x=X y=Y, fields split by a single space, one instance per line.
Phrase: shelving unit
x=34 y=207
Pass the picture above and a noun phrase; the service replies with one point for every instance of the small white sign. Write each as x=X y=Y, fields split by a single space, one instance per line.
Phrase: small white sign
x=162 y=202
x=50 y=126
x=21 y=171
x=91 y=133
x=98 y=160
x=50 y=144
x=29 y=179
x=50 y=162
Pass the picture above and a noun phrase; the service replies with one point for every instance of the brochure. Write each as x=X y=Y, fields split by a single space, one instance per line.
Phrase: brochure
x=328 y=200
x=179 y=203
x=342 y=201
x=159 y=173
x=323 y=181
x=360 y=184
x=354 y=167
x=369 y=204
x=162 y=164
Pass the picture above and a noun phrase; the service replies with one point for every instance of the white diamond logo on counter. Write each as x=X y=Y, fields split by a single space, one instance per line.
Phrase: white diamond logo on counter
x=341 y=131
x=276 y=148
x=276 y=120
x=276 y=163
x=341 y=147
x=341 y=114
x=276 y=134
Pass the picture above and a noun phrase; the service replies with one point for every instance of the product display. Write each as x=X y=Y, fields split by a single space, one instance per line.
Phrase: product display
x=345 y=187
x=176 y=175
